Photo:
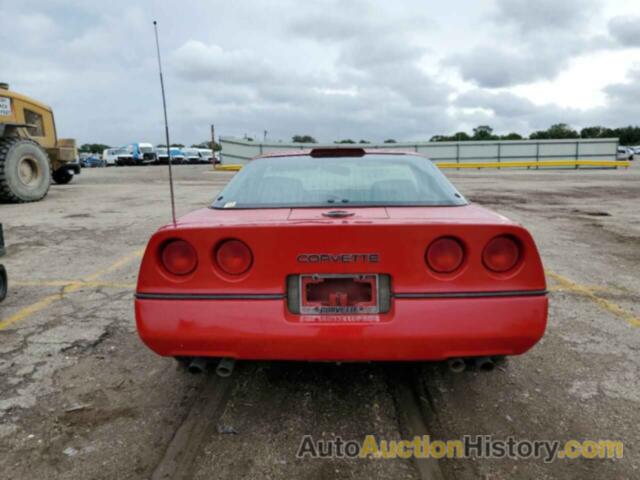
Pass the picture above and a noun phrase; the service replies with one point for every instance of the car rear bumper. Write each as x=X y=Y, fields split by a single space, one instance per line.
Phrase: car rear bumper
x=414 y=329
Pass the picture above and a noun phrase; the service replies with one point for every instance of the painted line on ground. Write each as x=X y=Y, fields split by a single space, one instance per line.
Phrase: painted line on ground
x=70 y=288
x=68 y=283
x=567 y=285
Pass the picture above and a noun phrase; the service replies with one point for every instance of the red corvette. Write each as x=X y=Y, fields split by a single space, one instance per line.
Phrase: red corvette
x=341 y=255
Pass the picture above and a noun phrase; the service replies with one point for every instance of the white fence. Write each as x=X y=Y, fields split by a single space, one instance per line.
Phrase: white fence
x=240 y=151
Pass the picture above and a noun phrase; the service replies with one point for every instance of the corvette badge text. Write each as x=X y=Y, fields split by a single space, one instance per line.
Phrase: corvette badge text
x=476 y=446
x=338 y=258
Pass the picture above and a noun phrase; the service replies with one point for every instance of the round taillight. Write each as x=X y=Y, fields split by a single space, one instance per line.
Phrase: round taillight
x=233 y=257
x=445 y=255
x=179 y=257
x=501 y=254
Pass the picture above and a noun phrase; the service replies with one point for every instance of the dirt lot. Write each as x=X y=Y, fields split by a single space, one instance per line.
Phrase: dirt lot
x=81 y=397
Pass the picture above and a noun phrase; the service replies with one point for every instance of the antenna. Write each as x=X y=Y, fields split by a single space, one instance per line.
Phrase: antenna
x=166 y=126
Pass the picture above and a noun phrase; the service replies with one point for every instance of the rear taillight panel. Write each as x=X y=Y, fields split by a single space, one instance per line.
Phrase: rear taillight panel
x=261 y=257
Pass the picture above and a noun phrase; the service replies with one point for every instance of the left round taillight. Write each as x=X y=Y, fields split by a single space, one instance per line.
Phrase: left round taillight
x=445 y=255
x=179 y=257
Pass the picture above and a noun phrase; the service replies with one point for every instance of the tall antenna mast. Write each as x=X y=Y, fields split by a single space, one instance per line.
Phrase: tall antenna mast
x=166 y=126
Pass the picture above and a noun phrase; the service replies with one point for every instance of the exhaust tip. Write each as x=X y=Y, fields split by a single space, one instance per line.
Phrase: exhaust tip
x=197 y=366
x=485 y=364
x=456 y=365
x=225 y=367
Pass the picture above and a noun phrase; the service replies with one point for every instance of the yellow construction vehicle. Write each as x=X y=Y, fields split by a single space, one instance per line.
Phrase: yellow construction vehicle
x=30 y=152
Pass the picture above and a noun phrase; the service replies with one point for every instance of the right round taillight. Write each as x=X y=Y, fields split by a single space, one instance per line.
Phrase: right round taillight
x=179 y=257
x=444 y=255
x=233 y=257
x=501 y=254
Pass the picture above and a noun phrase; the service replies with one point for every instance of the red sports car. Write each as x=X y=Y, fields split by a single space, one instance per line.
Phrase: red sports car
x=341 y=255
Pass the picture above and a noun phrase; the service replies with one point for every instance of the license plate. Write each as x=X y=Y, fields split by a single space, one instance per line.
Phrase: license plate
x=339 y=294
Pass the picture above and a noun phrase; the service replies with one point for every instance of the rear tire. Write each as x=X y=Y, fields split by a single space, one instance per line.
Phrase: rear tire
x=62 y=177
x=25 y=170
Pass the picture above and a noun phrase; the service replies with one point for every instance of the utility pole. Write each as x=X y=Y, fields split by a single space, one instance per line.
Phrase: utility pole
x=213 y=145
x=264 y=137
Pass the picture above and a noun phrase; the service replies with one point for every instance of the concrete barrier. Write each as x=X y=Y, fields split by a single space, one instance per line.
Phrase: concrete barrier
x=570 y=153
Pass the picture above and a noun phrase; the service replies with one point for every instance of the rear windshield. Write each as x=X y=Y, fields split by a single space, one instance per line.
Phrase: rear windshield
x=372 y=180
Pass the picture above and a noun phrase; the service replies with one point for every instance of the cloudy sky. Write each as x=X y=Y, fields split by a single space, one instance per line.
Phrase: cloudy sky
x=332 y=69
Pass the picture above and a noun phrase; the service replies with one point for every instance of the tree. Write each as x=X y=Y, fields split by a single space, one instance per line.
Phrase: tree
x=177 y=145
x=92 y=147
x=592 y=132
x=627 y=135
x=483 y=132
x=459 y=137
x=303 y=139
x=511 y=136
x=346 y=140
x=561 y=130
x=364 y=141
x=539 y=135
x=390 y=140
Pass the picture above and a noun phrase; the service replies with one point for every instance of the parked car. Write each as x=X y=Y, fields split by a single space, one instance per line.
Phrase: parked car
x=625 y=153
x=109 y=156
x=142 y=153
x=192 y=155
x=117 y=156
x=208 y=156
x=177 y=156
x=341 y=254
x=92 y=161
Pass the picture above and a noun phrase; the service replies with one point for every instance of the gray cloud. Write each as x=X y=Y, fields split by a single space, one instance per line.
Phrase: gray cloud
x=543 y=16
x=532 y=41
x=626 y=30
x=495 y=67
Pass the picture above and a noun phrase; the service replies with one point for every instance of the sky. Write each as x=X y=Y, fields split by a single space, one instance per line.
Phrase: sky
x=373 y=70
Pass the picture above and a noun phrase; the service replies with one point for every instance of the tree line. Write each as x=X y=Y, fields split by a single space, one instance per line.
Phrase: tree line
x=629 y=135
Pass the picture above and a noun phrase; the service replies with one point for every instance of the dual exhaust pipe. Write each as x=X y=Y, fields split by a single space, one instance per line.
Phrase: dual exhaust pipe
x=459 y=365
x=226 y=365
x=199 y=364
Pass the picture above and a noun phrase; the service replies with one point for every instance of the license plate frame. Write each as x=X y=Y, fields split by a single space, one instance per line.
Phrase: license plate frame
x=363 y=308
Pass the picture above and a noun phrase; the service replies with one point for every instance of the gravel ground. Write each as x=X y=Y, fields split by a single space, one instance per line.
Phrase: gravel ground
x=81 y=397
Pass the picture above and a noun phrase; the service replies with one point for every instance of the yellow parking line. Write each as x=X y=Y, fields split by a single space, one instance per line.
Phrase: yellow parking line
x=30 y=310
x=116 y=265
x=68 y=288
x=67 y=283
x=564 y=284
